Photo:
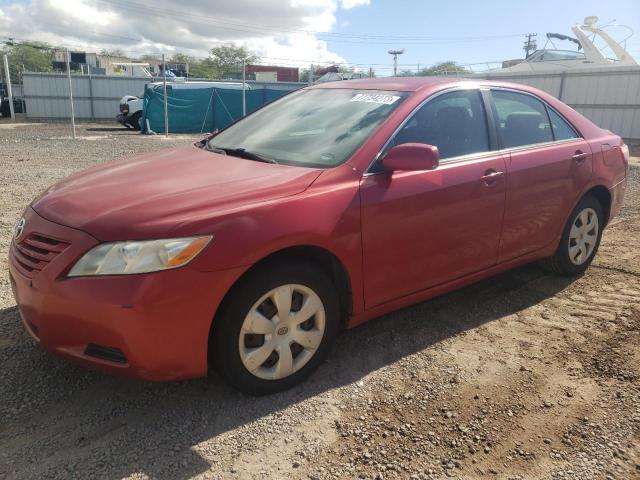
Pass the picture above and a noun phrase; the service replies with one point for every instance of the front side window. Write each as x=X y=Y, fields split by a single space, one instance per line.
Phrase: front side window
x=561 y=129
x=455 y=122
x=313 y=128
x=522 y=119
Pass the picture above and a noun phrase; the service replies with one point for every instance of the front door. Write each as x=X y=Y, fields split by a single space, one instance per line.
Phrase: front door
x=424 y=228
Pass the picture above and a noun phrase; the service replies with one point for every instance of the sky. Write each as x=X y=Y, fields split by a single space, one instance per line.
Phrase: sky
x=300 y=32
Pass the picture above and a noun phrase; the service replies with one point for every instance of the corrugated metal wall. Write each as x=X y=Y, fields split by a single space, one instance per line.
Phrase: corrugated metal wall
x=609 y=97
x=94 y=97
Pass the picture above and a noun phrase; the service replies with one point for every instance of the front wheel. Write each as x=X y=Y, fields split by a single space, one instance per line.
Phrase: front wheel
x=580 y=239
x=276 y=328
x=134 y=121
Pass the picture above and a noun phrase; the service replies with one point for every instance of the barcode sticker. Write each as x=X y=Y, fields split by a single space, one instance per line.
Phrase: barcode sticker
x=375 y=98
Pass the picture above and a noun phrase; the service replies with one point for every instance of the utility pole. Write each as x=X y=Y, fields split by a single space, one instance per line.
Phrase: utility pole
x=9 y=93
x=73 y=115
x=530 y=44
x=395 y=54
x=311 y=74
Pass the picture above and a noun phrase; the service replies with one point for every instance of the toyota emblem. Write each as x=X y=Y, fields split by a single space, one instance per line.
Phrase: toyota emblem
x=19 y=228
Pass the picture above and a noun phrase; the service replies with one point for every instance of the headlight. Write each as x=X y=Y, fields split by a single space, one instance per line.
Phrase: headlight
x=121 y=258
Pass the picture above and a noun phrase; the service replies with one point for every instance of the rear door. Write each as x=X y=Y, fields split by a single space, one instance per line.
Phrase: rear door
x=548 y=165
x=424 y=228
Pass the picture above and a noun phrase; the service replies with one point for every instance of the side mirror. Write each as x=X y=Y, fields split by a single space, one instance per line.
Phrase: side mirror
x=411 y=156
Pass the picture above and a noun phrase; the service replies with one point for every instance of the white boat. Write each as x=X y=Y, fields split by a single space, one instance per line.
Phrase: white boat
x=588 y=54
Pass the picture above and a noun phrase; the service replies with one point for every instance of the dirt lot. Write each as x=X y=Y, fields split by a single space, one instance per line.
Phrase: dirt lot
x=522 y=376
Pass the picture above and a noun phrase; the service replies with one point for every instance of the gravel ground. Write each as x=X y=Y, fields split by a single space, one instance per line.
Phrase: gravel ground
x=521 y=376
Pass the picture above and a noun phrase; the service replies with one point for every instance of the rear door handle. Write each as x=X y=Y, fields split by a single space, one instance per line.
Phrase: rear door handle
x=491 y=177
x=579 y=156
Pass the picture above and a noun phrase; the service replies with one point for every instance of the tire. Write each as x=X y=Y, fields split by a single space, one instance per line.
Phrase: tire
x=134 y=121
x=570 y=259
x=238 y=348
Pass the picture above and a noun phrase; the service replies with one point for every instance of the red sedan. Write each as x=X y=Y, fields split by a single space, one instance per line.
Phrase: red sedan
x=338 y=203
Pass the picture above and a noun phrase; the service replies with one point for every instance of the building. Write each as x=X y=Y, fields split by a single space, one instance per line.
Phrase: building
x=273 y=74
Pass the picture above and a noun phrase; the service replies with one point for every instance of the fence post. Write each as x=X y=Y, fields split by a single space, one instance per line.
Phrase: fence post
x=9 y=92
x=93 y=115
x=164 y=86
x=244 y=95
x=561 y=89
x=73 y=116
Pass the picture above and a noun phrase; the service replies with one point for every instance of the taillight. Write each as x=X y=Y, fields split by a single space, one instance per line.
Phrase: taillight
x=124 y=108
x=624 y=149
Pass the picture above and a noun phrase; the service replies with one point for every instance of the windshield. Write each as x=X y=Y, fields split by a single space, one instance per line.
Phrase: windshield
x=315 y=128
x=552 y=55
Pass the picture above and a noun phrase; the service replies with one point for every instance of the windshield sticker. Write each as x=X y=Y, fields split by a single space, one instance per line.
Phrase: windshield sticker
x=375 y=98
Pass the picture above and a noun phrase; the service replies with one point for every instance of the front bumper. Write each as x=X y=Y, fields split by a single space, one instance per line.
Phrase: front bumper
x=160 y=322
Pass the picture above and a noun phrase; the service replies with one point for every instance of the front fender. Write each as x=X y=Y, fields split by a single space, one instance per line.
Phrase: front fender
x=326 y=216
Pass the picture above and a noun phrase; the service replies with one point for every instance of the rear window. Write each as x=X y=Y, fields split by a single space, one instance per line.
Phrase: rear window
x=561 y=129
x=522 y=119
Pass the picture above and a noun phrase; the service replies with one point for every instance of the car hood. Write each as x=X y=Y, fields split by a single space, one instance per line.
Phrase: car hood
x=160 y=193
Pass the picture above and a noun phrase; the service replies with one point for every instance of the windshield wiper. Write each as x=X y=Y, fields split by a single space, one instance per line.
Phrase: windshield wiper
x=242 y=153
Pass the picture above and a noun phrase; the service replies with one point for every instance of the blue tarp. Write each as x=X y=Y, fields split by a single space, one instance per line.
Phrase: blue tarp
x=200 y=110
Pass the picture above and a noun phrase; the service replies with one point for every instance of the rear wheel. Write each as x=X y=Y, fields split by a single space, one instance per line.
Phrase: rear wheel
x=276 y=329
x=580 y=239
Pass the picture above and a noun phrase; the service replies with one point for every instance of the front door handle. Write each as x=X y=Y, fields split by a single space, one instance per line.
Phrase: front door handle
x=579 y=157
x=491 y=177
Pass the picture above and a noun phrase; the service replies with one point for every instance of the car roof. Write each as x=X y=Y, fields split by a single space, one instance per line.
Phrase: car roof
x=415 y=84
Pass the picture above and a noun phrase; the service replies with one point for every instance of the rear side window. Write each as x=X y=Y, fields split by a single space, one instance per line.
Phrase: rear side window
x=522 y=119
x=455 y=122
x=561 y=129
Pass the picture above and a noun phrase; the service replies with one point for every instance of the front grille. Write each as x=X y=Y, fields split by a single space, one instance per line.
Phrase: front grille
x=35 y=251
x=109 y=354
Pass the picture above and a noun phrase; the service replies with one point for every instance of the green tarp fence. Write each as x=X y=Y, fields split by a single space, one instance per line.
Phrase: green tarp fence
x=200 y=110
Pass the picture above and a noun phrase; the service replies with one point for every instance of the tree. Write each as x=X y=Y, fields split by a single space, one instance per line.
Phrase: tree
x=31 y=56
x=150 y=58
x=182 y=58
x=444 y=68
x=203 y=69
x=303 y=74
x=227 y=59
x=112 y=53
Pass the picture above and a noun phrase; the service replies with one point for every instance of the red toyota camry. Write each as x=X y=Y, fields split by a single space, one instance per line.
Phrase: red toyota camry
x=340 y=202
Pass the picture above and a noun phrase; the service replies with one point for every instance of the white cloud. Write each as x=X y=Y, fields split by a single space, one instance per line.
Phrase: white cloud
x=347 y=4
x=83 y=12
x=273 y=28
